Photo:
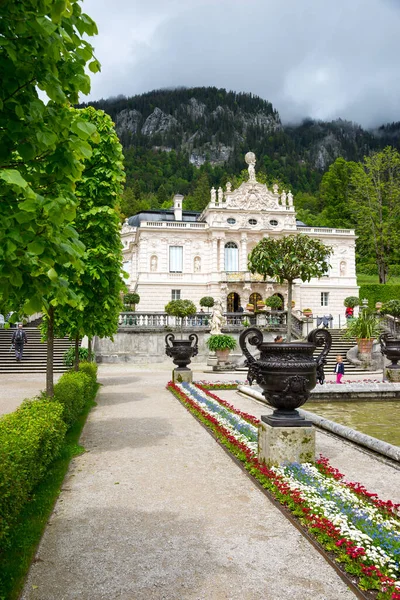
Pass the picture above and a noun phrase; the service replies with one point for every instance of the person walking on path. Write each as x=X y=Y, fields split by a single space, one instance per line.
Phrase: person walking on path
x=19 y=339
x=339 y=368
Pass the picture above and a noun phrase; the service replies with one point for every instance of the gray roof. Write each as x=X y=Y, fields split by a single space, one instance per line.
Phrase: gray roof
x=161 y=215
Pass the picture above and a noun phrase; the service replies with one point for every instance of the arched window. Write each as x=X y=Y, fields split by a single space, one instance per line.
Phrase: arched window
x=232 y=302
x=231 y=257
x=254 y=298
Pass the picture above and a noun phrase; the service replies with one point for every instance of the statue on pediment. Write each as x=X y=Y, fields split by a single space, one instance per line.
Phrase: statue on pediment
x=213 y=195
x=250 y=158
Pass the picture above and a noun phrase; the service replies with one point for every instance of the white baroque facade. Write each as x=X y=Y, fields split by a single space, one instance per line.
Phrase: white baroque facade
x=179 y=254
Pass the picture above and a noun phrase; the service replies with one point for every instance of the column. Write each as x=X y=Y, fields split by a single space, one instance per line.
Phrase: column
x=221 y=255
x=214 y=257
x=243 y=252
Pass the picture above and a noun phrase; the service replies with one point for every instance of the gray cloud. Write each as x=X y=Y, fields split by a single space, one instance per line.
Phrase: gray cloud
x=309 y=58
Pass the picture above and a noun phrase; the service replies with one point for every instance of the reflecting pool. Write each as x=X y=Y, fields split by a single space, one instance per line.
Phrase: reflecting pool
x=379 y=419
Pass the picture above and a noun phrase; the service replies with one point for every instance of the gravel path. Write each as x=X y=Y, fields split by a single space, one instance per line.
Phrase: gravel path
x=155 y=509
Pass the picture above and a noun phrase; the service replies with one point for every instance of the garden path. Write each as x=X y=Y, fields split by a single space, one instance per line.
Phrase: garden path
x=155 y=509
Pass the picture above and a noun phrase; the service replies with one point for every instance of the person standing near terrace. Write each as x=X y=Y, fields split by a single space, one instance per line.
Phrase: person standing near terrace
x=339 y=368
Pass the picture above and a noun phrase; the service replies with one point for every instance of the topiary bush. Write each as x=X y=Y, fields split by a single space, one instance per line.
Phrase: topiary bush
x=351 y=301
x=274 y=302
x=30 y=439
x=207 y=301
x=131 y=299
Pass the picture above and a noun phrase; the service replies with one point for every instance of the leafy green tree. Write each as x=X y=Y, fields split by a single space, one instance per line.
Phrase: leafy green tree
x=42 y=146
x=288 y=258
x=99 y=282
x=335 y=191
x=376 y=204
x=200 y=196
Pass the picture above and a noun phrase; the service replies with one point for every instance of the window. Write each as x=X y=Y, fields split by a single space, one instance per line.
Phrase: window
x=231 y=221
x=324 y=298
x=231 y=257
x=252 y=222
x=175 y=294
x=273 y=223
x=175 y=259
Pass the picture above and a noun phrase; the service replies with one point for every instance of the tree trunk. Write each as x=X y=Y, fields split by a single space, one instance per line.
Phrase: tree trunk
x=50 y=349
x=289 y=312
x=382 y=271
x=76 y=359
x=89 y=349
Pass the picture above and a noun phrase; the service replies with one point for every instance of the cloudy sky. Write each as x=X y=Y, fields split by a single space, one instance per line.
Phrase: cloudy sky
x=319 y=58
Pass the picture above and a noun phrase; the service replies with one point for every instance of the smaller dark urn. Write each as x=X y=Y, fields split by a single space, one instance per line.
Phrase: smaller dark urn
x=390 y=347
x=181 y=351
x=286 y=373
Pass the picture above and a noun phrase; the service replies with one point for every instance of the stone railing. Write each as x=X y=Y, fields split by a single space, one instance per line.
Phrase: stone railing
x=273 y=320
x=391 y=324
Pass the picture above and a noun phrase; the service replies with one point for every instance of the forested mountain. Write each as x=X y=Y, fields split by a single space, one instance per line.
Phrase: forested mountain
x=187 y=140
x=166 y=133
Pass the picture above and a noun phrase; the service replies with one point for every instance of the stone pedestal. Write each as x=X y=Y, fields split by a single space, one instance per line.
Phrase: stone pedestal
x=212 y=359
x=180 y=375
x=392 y=375
x=278 y=445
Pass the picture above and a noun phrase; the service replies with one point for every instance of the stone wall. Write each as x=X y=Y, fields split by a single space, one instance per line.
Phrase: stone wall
x=149 y=347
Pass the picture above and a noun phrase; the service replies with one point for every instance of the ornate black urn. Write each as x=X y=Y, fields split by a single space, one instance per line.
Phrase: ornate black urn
x=390 y=347
x=181 y=351
x=286 y=372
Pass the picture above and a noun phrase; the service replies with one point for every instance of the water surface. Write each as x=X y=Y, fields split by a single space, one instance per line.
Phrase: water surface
x=379 y=419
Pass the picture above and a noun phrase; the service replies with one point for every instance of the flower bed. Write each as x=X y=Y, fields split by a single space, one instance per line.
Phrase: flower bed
x=360 y=529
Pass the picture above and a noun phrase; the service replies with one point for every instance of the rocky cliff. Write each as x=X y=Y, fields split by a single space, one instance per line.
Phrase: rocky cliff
x=214 y=125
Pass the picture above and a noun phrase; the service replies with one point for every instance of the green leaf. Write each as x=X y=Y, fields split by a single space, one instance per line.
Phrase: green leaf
x=36 y=246
x=47 y=138
x=28 y=205
x=33 y=305
x=13 y=177
x=94 y=66
x=83 y=129
x=52 y=274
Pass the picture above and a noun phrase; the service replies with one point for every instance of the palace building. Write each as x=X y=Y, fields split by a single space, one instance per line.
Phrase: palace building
x=177 y=254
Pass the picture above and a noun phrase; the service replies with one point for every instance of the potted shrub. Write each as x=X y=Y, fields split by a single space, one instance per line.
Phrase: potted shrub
x=181 y=350
x=365 y=329
x=221 y=344
x=274 y=302
x=351 y=301
x=260 y=305
x=307 y=312
x=249 y=307
x=207 y=301
x=131 y=299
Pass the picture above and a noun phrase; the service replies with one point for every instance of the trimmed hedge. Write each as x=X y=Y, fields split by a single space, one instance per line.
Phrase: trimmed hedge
x=30 y=439
x=73 y=391
x=379 y=292
x=32 y=436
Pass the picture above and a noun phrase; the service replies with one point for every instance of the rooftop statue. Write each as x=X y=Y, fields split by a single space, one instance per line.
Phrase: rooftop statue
x=250 y=158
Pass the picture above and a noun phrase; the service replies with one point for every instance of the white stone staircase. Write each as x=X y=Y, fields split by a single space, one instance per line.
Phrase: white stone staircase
x=35 y=353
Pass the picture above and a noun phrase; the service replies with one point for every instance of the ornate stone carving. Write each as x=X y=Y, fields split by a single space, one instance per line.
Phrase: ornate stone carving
x=250 y=158
x=153 y=263
x=220 y=195
x=197 y=264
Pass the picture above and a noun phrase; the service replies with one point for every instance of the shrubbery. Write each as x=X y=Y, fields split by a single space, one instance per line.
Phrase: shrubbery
x=32 y=437
x=379 y=292
x=73 y=391
x=69 y=355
